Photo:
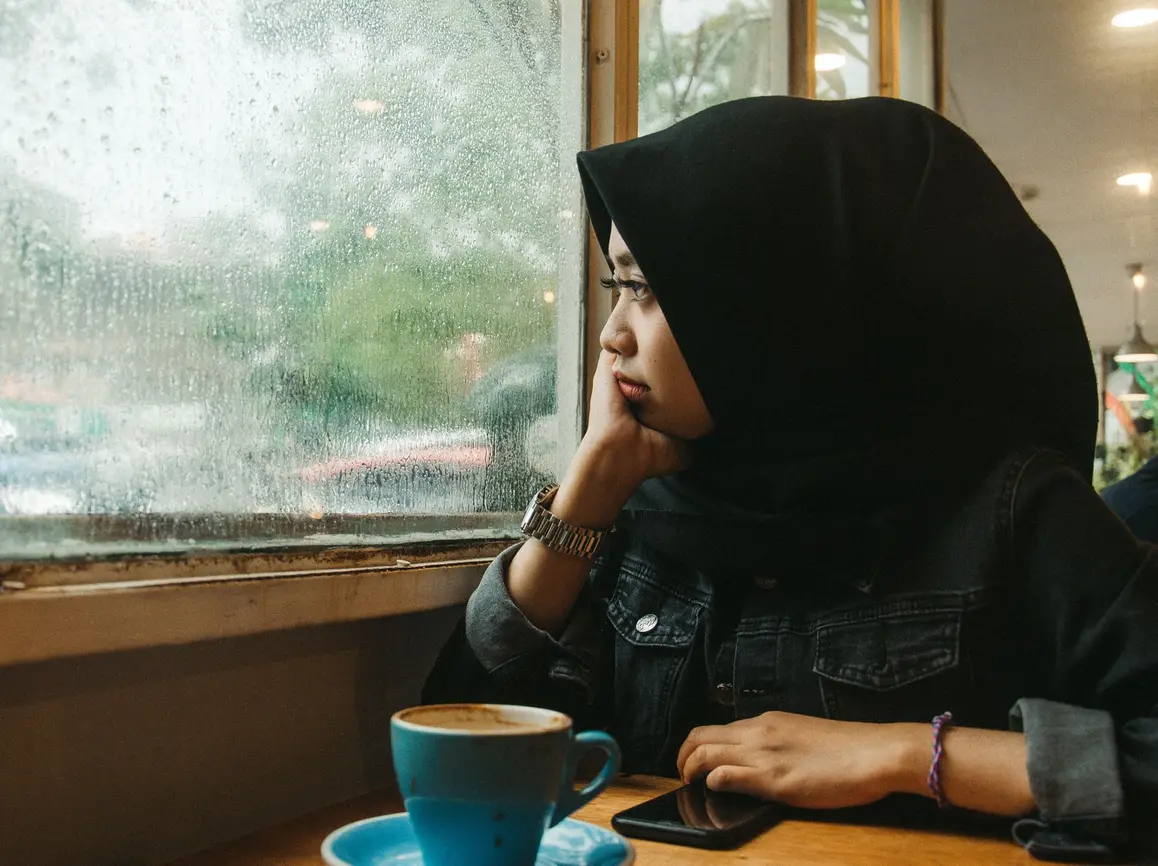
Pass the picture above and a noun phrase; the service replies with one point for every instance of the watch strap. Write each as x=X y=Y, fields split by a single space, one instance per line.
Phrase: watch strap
x=559 y=535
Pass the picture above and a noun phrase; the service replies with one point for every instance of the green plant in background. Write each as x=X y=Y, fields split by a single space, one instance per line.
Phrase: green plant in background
x=1113 y=463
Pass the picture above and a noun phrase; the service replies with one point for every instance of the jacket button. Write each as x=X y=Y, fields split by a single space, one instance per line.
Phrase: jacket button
x=725 y=695
x=646 y=623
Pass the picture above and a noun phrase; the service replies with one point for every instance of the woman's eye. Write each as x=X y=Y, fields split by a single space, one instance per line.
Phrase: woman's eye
x=638 y=291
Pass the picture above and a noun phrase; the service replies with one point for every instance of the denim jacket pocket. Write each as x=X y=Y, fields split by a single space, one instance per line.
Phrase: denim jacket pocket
x=656 y=630
x=897 y=661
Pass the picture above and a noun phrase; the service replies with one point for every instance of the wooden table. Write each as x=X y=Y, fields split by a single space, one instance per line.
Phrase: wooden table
x=298 y=842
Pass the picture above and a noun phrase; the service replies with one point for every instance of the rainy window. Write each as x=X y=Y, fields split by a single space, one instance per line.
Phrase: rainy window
x=697 y=53
x=267 y=264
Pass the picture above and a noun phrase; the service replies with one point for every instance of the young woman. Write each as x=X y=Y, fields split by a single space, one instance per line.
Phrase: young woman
x=843 y=425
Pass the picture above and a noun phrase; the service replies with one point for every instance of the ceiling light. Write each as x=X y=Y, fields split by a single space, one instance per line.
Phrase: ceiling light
x=1136 y=350
x=1135 y=17
x=319 y=225
x=1133 y=394
x=549 y=297
x=1139 y=179
x=829 y=62
x=370 y=232
x=1137 y=277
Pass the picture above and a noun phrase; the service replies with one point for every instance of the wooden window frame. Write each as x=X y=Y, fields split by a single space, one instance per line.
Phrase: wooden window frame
x=57 y=607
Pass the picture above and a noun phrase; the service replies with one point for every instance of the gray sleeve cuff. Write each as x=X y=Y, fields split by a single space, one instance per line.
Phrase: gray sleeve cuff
x=509 y=646
x=1072 y=760
x=496 y=629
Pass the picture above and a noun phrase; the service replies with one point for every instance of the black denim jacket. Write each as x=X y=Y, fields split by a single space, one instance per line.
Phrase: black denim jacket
x=1032 y=608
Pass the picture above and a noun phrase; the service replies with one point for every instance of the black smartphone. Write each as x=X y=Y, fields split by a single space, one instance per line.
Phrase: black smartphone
x=694 y=815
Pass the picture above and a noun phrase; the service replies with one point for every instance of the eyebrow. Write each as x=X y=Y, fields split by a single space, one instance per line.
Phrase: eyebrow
x=624 y=260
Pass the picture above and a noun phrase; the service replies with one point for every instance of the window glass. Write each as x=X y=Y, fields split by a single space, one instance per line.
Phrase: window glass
x=295 y=259
x=843 y=43
x=697 y=53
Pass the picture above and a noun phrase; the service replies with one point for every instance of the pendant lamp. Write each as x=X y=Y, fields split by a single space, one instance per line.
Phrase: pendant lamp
x=1136 y=350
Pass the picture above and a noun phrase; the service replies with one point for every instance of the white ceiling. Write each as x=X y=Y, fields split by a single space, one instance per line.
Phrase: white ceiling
x=1065 y=102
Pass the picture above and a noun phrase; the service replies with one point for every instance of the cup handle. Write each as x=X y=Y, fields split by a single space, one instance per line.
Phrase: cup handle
x=570 y=799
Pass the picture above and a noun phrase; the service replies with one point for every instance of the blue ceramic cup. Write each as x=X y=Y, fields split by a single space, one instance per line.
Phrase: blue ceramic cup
x=483 y=782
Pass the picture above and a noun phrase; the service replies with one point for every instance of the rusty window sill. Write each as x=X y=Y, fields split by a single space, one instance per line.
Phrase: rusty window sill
x=63 y=608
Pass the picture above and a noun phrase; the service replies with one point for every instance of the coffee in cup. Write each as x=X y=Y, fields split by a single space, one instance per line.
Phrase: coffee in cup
x=483 y=782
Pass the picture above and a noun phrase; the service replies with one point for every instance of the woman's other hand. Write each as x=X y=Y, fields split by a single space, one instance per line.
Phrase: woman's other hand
x=799 y=760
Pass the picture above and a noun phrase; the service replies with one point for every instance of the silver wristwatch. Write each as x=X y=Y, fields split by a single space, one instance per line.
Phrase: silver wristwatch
x=559 y=535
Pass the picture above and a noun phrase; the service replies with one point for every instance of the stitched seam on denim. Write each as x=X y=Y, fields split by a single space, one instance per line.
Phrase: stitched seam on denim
x=861 y=684
x=914 y=606
x=585 y=685
x=828 y=697
x=511 y=661
x=666 y=589
x=1066 y=819
x=851 y=675
x=670 y=640
x=1014 y=482
x=761 y=628
x=664 y=703
x=618 y=613
x=777 y=630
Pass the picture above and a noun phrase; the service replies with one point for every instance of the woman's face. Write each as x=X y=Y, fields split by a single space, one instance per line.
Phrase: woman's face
x=650 y=368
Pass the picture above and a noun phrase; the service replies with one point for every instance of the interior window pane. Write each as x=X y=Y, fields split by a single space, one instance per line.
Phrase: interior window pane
x=696 y=53
x=293 y=259
x=842 y=49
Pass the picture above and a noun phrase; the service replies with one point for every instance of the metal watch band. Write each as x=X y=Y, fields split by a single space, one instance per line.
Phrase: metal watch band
x=559 y=535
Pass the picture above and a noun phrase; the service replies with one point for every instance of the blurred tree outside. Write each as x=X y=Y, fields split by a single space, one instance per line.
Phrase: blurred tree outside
x=422 y=197
x=394 y=228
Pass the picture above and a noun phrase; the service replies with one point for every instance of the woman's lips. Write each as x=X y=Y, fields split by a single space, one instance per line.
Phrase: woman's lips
x=633 y=391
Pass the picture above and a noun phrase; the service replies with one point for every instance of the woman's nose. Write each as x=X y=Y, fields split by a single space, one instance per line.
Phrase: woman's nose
x=617 y=336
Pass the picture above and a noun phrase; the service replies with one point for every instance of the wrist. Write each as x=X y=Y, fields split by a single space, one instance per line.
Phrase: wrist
x=906 y=765
x=595 y=488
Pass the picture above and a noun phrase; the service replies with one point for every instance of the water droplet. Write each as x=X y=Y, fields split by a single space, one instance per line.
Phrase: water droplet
x=165 y=79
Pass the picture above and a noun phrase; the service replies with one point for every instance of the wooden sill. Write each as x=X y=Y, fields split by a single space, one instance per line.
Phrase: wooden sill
x=45 y=622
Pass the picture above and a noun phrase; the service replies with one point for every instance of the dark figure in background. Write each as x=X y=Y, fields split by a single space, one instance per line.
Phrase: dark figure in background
x=1135 y=499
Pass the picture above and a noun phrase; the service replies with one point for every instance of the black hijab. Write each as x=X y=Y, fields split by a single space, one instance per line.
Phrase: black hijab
x=873 y=320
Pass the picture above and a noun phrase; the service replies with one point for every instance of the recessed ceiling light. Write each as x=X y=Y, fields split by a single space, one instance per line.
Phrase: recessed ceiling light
x=1135 y=17
x=829 y=62
x=1139 y=179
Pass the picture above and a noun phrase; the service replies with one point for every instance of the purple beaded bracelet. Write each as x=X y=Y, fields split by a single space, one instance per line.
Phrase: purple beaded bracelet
x=940 y=723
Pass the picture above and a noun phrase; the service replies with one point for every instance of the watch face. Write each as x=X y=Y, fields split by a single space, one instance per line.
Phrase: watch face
x=529 y=513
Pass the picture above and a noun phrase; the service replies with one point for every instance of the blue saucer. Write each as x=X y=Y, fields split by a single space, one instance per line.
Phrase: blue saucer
x=389 y=839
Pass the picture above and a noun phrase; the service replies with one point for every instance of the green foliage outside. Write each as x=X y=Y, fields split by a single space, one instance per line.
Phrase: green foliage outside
x=420 y=185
